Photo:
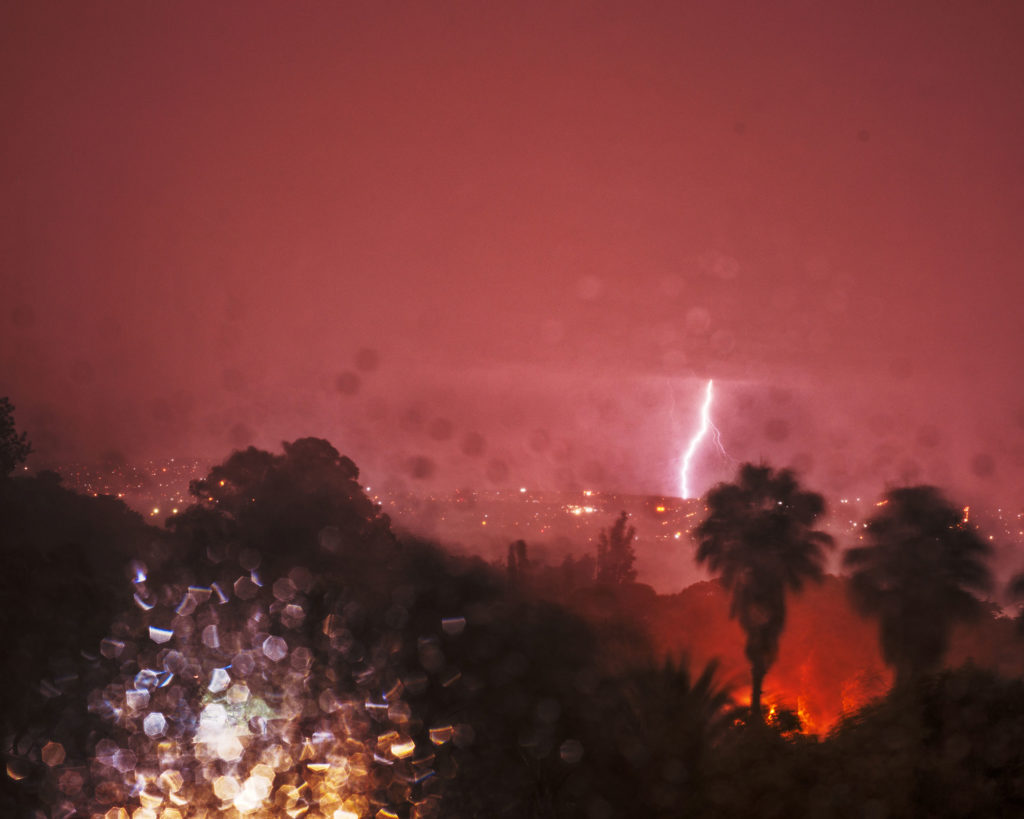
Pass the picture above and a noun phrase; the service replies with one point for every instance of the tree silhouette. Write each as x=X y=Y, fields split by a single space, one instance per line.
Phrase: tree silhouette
x=63 y=580
x=305 y=504
x=615 y=555
x=517 y=565
x=758 y=537
x=653 y=729
x=917 y=574
x=14 y=448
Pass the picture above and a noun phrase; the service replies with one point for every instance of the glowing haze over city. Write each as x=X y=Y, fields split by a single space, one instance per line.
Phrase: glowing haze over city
x=506 y=245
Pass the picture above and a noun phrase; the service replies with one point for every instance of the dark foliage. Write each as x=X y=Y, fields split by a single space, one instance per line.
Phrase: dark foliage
x=918 y=574
x=543 y=722
x=517 y=565
x=551 y=710
x=63 y=581
x=305 y=503
x=14 y=446
x=615 y=553
x=945 y=745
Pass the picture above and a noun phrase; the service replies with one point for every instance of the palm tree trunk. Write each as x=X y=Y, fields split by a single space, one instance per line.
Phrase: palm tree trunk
x=756 y=679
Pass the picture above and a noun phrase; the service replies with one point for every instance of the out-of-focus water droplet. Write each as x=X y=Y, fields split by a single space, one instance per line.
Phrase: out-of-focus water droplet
x=71 y=782
x=440 y=734
x=187 y=605
x=125 y=760
x=111 y=648
x=17 y=769
x=216 y=589
x=160 y=635
x=219 y=680
x=250 y=559
x=105 y=750
x=138 y=571
x=52 y=754
x=155 y=724
x=226 y=787
x=420 y=467
x=399 y=712
x=211 y=636
x=136 y=698
x=275 y=648
x=404 y=749
x=328 y=702
x=174 y=662
x=983 y=465
x=301 y=659
x=302 y=578
x=245 y=588
x=497 y=470
x=284 y=589
x=243 y=664
x=571 y=751
x=348 y=383
x=147 y=678
x=238 y=693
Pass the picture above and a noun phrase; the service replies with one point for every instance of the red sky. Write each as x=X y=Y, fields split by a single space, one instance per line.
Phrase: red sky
x=522 y=235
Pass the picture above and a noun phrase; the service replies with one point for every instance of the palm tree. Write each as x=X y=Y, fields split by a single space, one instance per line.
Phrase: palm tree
x=918 y=574
x=674 y=713
x=651 y=730
x=758 y=537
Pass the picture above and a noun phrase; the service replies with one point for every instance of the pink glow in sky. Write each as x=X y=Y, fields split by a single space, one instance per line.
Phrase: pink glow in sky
x=510 y=242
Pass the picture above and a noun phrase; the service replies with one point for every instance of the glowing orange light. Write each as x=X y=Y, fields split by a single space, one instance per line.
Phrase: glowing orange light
x=807 y=724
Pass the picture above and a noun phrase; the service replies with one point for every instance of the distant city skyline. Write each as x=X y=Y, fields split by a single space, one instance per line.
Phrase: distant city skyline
x=485 y=520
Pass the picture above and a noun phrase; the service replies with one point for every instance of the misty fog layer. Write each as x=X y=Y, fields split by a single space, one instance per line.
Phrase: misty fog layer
x=510 y=245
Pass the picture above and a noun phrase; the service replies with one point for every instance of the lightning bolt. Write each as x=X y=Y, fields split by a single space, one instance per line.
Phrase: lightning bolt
x=705 y=425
